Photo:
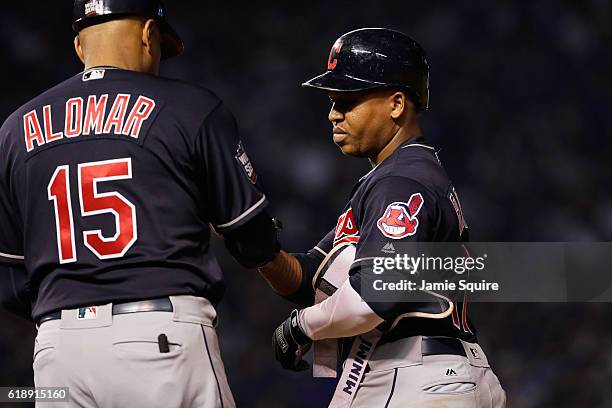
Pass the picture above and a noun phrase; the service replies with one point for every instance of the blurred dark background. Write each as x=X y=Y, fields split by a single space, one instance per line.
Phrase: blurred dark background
x=520 y=106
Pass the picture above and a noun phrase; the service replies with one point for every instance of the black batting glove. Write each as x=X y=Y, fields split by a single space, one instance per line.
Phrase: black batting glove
x=289 y=344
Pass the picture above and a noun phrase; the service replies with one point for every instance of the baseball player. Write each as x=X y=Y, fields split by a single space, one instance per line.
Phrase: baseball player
x=109 y=185
x=395 y=354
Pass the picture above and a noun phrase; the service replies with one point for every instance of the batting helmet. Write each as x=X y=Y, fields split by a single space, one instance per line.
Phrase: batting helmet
x=376 y=57
x=91 y=12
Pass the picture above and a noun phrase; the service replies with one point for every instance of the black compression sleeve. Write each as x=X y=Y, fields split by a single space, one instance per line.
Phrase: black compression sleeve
x=255 y=243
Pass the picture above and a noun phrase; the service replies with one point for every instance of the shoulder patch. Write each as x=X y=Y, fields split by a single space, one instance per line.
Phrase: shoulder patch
x=400 y=219
x=245 y=163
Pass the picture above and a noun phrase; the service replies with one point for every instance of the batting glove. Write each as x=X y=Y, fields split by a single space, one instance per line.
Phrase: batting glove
x=289 y=344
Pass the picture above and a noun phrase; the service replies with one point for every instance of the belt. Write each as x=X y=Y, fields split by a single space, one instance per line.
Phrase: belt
x=433 y=346
x=152 y=305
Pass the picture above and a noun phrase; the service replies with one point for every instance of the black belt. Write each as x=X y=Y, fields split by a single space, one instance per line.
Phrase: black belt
x=152 y=305
x=433 y=346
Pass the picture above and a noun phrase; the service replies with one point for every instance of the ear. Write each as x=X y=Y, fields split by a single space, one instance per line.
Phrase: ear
x=78 y=49
x=398 y=103
x=150 y=35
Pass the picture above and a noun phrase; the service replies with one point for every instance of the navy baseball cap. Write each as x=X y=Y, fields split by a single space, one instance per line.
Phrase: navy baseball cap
x=91 y=12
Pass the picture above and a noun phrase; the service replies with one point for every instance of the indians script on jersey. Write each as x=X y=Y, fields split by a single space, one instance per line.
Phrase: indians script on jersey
x=85 y=116
x=346 y=229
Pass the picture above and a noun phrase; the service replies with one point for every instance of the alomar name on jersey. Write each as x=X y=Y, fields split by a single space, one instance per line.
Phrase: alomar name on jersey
x=85 y=116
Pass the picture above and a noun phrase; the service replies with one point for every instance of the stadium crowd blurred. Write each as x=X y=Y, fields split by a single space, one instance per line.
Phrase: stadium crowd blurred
x=520 y=101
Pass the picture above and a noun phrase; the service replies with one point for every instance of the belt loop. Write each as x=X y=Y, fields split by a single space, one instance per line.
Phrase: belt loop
x=192 y=309
x=475 y=354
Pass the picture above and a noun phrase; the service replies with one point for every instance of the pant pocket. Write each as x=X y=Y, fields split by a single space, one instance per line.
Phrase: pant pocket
x=43 y=355
x=445 y=374
x=459 y=387
x=143 y=348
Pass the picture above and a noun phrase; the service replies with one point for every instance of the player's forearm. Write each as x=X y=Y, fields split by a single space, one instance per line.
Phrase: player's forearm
x=283 y=274
x=344 y=314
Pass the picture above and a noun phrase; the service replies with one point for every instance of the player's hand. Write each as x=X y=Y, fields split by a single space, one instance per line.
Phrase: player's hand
x=289 y=344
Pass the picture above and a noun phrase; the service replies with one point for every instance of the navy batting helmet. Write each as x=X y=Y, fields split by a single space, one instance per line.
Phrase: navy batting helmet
x=373 y=58
x=91 y=12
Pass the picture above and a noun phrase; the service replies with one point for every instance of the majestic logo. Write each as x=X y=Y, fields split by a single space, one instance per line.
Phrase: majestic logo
x=87 y=313
x=400 y=219
x=388 y=248
x=346 y=229
x=245 y=162
x=333 y=61
x=94 y=8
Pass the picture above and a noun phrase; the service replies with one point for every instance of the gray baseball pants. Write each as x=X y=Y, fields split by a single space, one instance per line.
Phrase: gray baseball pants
x=400 y=376
x=111 y=361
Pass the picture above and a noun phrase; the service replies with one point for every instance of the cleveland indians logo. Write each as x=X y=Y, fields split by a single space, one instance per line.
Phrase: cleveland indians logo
x=332 y=60
x=400 y=219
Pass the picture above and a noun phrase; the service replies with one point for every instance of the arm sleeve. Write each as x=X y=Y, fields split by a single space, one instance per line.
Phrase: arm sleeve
x=344 y=314
x=11 y=229
x=14 y=290
x=310 y=262
x=229 y=181
x=254 y=243
x=396 y=210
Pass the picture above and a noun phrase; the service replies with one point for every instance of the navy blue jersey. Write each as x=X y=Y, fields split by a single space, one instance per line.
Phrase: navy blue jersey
x=408 y=197
x=109 y=184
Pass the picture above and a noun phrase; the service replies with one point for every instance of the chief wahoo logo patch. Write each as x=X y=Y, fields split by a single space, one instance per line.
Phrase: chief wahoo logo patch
x=400 y=219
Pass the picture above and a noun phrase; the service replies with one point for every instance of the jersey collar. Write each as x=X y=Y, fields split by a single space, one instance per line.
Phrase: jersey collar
x=418 y=142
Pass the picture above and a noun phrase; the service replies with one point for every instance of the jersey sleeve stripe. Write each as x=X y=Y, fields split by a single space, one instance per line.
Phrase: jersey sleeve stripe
x=10 y=256
x=243 y=215
x=362 y=260
x=320 y=250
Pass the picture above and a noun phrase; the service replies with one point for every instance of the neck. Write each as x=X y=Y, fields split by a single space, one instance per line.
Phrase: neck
x=115 y=61
x=106 y=62
x=401 y=136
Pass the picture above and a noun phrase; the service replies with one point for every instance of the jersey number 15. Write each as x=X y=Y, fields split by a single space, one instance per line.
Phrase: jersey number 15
x=93 y=203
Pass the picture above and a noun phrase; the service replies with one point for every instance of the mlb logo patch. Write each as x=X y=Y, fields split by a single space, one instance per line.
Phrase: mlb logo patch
x=94 y=8
x=88 y=313
x=400 y=219
x=93 y=74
